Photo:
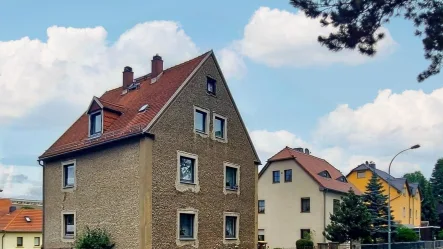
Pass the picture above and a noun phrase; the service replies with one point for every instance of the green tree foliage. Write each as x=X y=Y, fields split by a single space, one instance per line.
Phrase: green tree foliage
x=94 y=239
x=428 y=206
x=405 y=234
x=350 y=222
x=358 y=25
x=377 y=205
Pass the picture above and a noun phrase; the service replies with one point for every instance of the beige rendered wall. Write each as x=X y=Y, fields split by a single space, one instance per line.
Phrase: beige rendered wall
x=283 y=219
x=174 y=132
x=10 y=240
x=107 y=195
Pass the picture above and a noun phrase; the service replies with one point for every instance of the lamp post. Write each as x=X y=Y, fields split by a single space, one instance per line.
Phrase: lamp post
x=389 y=192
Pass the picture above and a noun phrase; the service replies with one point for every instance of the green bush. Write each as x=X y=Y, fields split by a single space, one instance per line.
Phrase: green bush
x=440 y=235
x=405 y=234
x=304 y=243
x=94 y=239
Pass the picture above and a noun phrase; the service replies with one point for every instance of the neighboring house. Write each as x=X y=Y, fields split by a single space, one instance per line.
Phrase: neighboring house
x=163 y=161
x=405 y=196
x=297 y=192
x=21 y=228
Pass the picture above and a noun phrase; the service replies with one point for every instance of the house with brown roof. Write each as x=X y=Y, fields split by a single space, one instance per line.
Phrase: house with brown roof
x=297 y=192
x=21 y=228
x=163 y=161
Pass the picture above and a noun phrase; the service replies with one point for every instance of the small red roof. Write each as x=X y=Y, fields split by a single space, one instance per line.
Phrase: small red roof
x=131 y=122
x=16 y=221
x=313 y=167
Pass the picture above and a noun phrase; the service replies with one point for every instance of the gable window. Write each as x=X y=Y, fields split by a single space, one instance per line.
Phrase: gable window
x=19 y=241
x=305 y=205
x=232 y=178
x=305 y=233
x=201 y=120
x=276 y=176
x=68 y=174
x=68 y=225
x=261 y=206
x=361 y=174
x=95 y=123
x=261 y=234
x=219 y=127
x=36 y=241
x=211 y=86
x=336 y=205
x=288 y=175
x=187 y=221
x=231 y=226
x=187 y=166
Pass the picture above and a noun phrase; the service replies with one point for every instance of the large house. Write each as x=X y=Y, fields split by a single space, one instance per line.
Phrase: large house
x=297 y=192
x=163 y=161
x=405 y=196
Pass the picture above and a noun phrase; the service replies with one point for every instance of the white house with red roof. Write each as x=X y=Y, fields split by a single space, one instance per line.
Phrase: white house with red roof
x=297 y=192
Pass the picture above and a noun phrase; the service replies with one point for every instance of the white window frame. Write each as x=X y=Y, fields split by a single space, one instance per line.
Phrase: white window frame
x=64 y=238
x=207 y=121
x=225 y=128
x=69 y=188
x=187 y=241
x=231 y=191
x=235 y=240
x=89 y=126
x=185 y=186
x=361 y=172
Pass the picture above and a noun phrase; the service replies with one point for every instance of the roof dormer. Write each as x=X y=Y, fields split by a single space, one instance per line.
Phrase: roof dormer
x=101 y=116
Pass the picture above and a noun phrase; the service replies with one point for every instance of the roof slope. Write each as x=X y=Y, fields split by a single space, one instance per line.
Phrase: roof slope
x=131 y=122
x=16 y=222
x=313 y=166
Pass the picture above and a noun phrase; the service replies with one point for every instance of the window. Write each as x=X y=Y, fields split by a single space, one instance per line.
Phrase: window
x=305 y=205
x=305 y=233
x=200 y=120
x=68 y=174
x=68 y=226
x=36 y=241
x=211 y=86
x=261 y=206
x=336 y=205
x=231 y=227
x=187 y=224
x=261 y=235
x=187 y=169
x=219 y=127
x=288 y=175
x=275 y=176
x=361 y=174
x=19 y=241
x=95 y=123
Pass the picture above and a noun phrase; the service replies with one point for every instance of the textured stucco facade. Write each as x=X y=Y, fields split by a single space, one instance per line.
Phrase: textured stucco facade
x=283 y=220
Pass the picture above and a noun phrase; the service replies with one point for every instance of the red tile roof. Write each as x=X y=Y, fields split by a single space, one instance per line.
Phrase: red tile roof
x=313 y=166
x=131 y=122
x=16 y=222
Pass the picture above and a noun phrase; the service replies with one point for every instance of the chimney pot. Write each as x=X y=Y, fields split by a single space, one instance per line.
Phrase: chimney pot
x=156 y=66
x=128 y=77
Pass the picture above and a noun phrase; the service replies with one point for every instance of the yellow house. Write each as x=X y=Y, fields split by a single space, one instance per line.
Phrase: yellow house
x=405 y=196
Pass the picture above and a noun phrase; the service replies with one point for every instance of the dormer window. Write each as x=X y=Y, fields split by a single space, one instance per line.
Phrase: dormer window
x=95 y=123
x=325 y=174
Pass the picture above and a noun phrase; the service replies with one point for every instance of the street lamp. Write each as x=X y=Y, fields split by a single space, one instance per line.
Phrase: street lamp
x=389 y=192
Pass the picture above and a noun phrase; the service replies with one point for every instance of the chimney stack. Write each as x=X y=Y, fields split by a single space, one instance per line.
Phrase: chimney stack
x=128 y=77
x=156 y=66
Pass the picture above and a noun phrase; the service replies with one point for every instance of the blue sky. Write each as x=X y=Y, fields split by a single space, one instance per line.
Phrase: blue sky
x=291 y=92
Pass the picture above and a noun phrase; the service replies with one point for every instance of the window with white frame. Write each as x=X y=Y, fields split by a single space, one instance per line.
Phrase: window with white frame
x=201 y=122
x=68 y=174
x=231 y=226
x=95 y=123
x=219 y=127
x=68 y=225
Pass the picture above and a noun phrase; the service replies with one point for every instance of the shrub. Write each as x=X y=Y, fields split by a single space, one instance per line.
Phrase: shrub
x=304 y=243
x=405 y=234
x=94 y=239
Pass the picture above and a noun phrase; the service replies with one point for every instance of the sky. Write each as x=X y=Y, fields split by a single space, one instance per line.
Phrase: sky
x=344 y=107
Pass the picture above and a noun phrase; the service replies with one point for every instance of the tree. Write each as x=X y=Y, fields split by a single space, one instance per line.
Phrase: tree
x=377 y=204
x=428 y=206
x=358 y=24
x=350 y=222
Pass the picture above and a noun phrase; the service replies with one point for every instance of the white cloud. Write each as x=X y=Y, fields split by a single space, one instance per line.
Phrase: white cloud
x=231 y=63
x=281 y=38
x=76 y=63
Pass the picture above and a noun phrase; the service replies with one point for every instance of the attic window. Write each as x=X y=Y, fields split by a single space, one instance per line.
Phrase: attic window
x=95 y=123
x=143 y=108
x=342 y=179
x=28 y=219
x=325 y=174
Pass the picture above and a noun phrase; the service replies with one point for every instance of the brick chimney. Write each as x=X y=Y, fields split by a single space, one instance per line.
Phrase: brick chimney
x=128 y=77
x=156 y=66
